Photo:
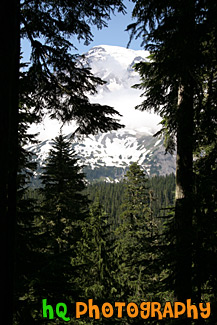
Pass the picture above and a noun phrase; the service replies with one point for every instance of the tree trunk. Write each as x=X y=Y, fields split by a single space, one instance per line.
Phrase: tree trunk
x=184 y=206
x=9 y=74
x=184 y=163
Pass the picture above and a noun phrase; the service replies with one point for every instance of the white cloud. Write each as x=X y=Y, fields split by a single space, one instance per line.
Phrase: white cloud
x=124 y=101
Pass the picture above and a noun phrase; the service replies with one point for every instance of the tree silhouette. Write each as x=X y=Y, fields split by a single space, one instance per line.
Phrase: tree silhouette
x=54 y=81
x=175 y=80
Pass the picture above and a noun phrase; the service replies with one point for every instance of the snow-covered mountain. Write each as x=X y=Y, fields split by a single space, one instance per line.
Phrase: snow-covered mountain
x=108 y=155
x=115 y=65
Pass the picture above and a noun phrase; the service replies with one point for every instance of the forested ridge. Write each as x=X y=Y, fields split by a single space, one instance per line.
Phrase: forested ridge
x=127 y=242
x=93 y=252
x=111 y=195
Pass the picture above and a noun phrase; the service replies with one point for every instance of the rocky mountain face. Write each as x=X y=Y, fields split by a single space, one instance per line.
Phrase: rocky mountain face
x=107 y=155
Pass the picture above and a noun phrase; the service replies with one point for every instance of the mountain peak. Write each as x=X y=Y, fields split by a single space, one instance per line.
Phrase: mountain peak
x=114 y=64
x=115 y=55
x=112 y=49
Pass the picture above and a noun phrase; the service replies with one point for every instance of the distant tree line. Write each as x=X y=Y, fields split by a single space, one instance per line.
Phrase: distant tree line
x=111 y=195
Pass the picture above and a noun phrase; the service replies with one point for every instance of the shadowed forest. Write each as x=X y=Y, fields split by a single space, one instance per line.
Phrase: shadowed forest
x=143 y=239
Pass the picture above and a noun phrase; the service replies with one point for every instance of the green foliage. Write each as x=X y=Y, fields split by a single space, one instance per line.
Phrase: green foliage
x=52 y=231
x=126 y=253
x=163 y=188
x=136 y=192
x=62 y=209
x=28 y=228
x=95 y=252
x=96 y=260
x=135 y=238
x=56 y=82
x=179 y=83
x=56 y=78
x=63 y=182
x=111 y=195
x=205 y=228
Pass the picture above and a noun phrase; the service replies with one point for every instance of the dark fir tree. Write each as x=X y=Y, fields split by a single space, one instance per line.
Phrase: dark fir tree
x=95 y=260
x=63 y=182
x=170 y=92
x=94 y=243
x=205 y=221
x=62 y=210
x=54 y=80
x=27 y=228
x=111 y=196
x=176 y=36
x=9 y=67
x=136 y=237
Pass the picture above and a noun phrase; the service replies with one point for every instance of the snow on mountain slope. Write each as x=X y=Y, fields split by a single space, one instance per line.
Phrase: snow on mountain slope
x=107 y=155
x=115 y=65
x=117 y=149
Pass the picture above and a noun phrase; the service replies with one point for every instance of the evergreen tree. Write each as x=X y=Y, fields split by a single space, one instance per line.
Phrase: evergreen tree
x=205 y=221
x=174 y=79
x=9 y=67
x=205 y=232
x=111 y=196
x=63 y=182
x=27 y=228
x=95 y=259
x=60 y=80
x=54 y=81
x=135 y=239
x=62 y=210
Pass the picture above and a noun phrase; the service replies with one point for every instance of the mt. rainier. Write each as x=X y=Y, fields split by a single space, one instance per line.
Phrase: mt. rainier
x=108 y=154
x=115 y=65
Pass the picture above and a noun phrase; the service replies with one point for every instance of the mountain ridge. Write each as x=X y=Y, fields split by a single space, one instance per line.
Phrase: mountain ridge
x=114 y=150
x=112 y=153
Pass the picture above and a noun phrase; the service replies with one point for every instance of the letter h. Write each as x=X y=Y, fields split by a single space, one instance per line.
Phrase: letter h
x=47 y=308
